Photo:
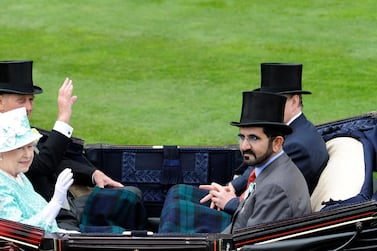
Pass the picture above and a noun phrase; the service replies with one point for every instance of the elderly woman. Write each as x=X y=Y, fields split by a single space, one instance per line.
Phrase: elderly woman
x=18 y=200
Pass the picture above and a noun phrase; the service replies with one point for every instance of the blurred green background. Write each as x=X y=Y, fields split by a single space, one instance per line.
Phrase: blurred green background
x=172 y=72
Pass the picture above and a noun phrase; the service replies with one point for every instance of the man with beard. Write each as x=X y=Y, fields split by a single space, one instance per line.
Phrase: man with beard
x=305 y=146
x=276 y=188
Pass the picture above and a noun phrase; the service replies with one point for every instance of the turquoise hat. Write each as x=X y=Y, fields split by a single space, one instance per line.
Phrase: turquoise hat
x=15 y=131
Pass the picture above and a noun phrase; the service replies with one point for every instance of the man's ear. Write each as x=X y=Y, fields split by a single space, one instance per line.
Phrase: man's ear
x=295 y=99
x=1 y=102
x=277 y=143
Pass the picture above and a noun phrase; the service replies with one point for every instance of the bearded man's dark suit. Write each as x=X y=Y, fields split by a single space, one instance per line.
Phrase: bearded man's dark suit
x=280 y=193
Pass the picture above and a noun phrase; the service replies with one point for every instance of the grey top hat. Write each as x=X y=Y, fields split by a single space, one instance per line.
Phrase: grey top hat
x=16 y=76
x=282 y=78
x=263 y=109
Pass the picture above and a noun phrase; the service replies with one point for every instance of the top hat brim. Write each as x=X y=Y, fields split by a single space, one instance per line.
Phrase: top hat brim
x=284 y=92
x=36 y=90
x=294 y=92
x=285 y=129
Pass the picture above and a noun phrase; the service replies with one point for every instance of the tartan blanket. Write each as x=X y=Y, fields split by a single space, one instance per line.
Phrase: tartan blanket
x=183 y=213
x=113 y=210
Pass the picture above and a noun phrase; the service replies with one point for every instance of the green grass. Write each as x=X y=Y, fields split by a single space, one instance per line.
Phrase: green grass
x=172 y=72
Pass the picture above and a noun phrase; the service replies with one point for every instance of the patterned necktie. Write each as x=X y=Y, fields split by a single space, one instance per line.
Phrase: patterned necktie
x=250 y=180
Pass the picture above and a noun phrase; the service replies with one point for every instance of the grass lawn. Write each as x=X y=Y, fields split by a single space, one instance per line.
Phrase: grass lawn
x=172 y=72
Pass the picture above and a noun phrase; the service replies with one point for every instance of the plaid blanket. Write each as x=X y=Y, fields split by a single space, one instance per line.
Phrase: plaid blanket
x=182 y=212
x=113 y=210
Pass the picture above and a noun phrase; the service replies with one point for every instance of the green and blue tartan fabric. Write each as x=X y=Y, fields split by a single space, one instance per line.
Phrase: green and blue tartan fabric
x=183 y=213
x=113 y=210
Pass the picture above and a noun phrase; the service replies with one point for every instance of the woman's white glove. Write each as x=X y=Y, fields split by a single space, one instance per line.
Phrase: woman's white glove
x=64 y=181
x=62 y=185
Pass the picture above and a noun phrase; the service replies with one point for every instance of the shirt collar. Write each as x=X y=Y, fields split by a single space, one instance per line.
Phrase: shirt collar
x=294 y=117
x=259 y=169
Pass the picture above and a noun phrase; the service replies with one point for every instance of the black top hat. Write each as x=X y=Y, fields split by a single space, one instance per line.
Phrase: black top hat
x=263 y=109
x=16 y=77
x=282 y=78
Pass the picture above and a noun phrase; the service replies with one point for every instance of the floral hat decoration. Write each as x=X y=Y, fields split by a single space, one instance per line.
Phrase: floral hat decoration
x=15 y=130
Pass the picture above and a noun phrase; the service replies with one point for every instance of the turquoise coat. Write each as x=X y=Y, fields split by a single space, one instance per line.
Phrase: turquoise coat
x=19 y=202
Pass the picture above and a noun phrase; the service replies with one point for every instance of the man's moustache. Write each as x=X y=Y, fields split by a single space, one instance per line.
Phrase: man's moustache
x=248 y=152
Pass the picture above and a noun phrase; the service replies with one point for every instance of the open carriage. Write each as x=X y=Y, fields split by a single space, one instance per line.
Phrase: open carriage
x=347 y=221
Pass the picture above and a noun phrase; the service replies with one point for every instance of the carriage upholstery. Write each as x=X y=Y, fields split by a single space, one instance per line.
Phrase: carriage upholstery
x=344 y=174
x=348 y=176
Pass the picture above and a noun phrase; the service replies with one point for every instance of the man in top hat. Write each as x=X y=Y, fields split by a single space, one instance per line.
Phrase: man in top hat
x=276 y=188
x=304 y=145
x=279 y=190
x=17 y=90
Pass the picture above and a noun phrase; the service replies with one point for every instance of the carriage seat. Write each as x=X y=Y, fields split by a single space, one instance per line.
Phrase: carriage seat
x=344 y=174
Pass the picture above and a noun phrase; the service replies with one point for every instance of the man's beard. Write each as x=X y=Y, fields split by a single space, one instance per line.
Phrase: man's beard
x=257 y=160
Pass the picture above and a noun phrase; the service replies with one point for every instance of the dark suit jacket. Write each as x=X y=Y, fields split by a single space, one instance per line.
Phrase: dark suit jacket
x=57 y=152
x=280 y=193
x=306 y=147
